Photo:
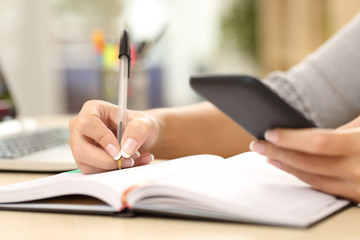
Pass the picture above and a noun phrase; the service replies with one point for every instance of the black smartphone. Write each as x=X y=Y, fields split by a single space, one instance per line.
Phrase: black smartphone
x=249 y=102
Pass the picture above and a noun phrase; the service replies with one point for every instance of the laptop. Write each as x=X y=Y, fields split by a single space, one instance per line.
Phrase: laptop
x=25 y=145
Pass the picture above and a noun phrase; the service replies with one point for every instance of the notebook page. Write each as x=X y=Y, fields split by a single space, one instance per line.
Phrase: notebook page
x=245 y=186
x=107 y=186
x=120 y=180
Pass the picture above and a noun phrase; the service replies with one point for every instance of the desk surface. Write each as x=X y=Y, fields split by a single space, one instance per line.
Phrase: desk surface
x=29 y=225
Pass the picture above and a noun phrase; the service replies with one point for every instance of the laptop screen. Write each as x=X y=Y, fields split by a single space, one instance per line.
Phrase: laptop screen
x=7 y=107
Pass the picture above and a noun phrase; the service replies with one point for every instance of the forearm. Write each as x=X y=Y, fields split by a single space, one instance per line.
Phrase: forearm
x=196 y=129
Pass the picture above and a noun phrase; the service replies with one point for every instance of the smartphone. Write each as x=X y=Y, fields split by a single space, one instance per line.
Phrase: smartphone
x=249 y=102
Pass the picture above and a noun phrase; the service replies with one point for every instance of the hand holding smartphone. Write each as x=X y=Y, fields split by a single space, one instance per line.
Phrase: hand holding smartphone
x=249 y=103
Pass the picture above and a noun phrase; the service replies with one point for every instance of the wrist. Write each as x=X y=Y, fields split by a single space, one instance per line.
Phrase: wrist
x=158 y=118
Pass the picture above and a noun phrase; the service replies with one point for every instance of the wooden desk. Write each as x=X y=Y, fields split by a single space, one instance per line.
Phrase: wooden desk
x=28 y=225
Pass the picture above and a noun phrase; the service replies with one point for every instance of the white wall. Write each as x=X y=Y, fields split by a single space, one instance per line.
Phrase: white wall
x=192 y=38
x=28 y=55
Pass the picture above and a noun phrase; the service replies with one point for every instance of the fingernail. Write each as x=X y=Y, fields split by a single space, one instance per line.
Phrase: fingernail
x=271 y=135
x=128 y=162
x=257 y=147
x=145 y=160
x=128 y=147
x=132 y=162
x=136 y=155
x=113 y=152
x=275 y=163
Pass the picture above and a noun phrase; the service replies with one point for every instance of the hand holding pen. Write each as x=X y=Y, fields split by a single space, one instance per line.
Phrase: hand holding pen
x=129 y=146
x=93 y=130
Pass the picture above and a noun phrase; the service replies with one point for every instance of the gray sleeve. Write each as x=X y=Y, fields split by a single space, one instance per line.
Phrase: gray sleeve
x=325 y=86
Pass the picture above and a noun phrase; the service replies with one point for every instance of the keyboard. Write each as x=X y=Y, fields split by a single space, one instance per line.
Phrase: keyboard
x=27 y=143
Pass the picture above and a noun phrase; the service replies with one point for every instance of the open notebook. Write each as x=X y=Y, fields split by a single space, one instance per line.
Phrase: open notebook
x=243 y=188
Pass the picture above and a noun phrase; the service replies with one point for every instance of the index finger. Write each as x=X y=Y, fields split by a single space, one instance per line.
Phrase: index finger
x=325 y=142
x=92 y=127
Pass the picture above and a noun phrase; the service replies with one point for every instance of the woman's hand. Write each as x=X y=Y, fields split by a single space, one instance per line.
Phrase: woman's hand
x=93 y=137
x=327 y=159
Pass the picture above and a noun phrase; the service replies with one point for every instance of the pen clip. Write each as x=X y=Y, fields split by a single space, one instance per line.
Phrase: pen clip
x=125 y=48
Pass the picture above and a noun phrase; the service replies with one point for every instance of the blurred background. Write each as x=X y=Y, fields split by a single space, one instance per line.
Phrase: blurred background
x=57 y=54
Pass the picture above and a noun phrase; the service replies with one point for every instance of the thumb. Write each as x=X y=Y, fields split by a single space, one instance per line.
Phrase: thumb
x=136 y=133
